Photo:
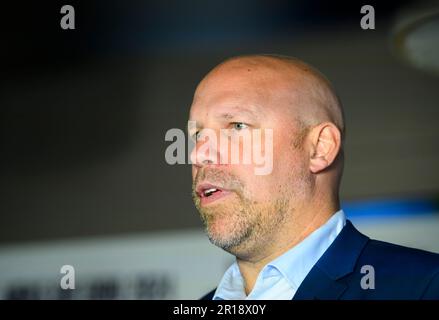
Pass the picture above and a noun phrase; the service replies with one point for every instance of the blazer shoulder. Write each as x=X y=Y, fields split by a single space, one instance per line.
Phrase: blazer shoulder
x=398 y=254
x=403 y=266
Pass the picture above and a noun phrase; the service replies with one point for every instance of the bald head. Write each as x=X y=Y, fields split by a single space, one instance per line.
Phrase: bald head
x=293 y=97
x=308 y=95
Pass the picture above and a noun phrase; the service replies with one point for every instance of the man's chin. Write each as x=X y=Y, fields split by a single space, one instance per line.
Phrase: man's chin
x=228 y=245
x=226 y=236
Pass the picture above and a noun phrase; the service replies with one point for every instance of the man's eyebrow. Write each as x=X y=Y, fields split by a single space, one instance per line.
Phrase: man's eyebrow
x=228 y=115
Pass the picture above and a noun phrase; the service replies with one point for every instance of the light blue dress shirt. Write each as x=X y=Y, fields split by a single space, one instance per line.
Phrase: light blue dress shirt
x=280 y=279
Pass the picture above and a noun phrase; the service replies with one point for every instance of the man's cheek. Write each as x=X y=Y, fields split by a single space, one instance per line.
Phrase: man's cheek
x=263 y=151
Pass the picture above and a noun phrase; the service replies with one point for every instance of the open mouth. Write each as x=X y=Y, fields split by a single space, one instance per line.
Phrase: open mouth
x=209 y=193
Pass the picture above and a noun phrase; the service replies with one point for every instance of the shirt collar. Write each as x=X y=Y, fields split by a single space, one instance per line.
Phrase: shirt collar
x=296 y=263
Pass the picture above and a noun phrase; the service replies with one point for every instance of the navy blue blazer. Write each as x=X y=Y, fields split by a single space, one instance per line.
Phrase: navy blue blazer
x=400 y=272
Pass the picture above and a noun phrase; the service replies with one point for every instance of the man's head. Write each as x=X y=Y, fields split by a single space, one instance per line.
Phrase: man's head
x=245 y=213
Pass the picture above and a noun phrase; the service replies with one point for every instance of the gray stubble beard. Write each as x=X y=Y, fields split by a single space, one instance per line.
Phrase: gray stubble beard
x=255 y=226
x=258 y=224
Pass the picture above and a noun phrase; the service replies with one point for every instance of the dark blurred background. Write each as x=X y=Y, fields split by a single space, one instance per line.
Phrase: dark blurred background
x=84 y=112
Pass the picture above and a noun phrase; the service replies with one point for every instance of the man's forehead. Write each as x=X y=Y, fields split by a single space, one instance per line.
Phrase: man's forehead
x=260 y=87
x=252 y=104
x=236 y=85
x=228 y=107
x=237 y=89
x=243 y=74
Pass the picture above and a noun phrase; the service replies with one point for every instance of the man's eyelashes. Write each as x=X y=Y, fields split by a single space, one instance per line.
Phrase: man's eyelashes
x=237 y=126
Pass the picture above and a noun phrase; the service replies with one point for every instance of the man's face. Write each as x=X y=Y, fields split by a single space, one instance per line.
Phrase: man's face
x=237 y=205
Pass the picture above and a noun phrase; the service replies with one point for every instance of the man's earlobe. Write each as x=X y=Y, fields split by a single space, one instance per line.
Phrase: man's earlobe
x=326 y=142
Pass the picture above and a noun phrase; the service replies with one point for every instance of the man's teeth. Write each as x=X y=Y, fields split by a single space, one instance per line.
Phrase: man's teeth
x=209 y=192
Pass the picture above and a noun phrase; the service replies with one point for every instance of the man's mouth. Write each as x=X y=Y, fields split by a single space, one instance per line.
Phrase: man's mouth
x=209 y=193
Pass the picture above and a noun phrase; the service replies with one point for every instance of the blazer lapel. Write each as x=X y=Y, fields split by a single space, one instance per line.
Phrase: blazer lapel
x=323 y=281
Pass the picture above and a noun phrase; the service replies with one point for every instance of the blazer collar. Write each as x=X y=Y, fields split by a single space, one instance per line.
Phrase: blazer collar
x=338 y=261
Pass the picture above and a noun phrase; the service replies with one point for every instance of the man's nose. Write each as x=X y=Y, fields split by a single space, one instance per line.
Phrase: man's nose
x=206 y=150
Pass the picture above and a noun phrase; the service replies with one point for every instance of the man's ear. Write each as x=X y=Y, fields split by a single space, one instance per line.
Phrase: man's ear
x=325 y=146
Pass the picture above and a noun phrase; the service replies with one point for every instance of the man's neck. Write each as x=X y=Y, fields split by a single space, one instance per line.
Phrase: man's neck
x=293 y=235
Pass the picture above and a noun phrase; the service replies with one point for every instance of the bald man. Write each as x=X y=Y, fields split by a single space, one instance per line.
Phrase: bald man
x=286 y=229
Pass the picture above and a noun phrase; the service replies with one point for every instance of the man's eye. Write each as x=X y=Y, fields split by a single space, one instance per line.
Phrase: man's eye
x=239 y=125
